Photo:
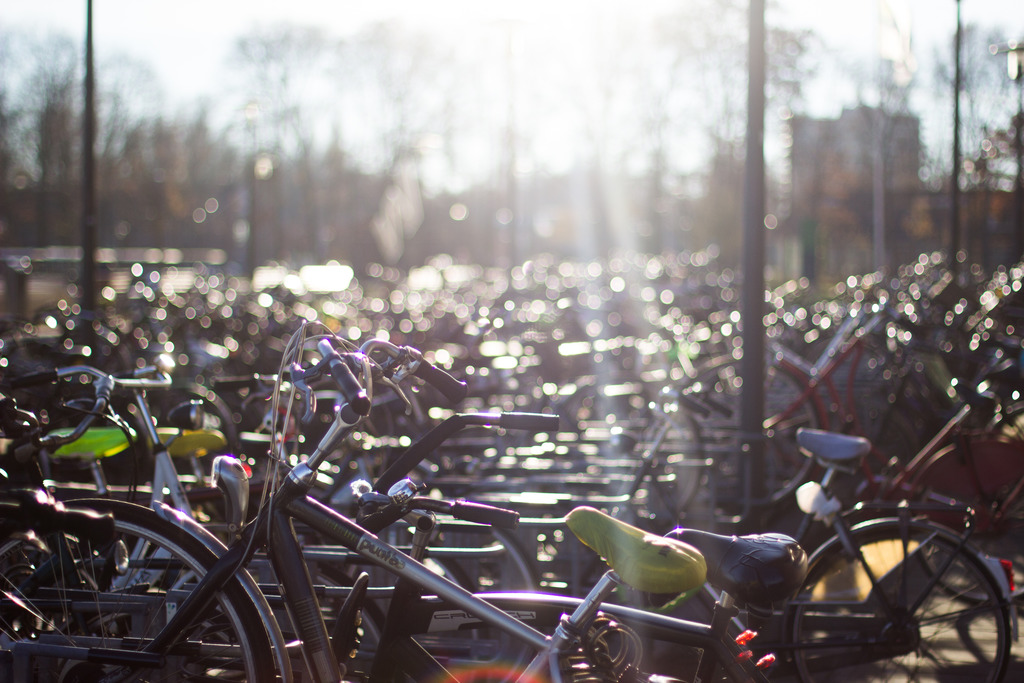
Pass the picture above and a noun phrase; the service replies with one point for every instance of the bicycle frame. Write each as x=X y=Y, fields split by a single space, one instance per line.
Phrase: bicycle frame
x=292 y=505
x=819 y=377
x=410 y=615
x=912 y=479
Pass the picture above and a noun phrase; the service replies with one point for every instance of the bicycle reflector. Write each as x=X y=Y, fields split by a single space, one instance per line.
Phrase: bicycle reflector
x=811 y=498
x=743 y=640
x=1007 y=566
x=745 y=637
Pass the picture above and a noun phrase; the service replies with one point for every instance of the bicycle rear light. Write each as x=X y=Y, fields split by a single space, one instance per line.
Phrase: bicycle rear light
x=1007 y=566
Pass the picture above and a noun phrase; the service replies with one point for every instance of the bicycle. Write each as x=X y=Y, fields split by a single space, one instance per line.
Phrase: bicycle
x=92 y=441
x=83 y=584
x=891 y=590
x=823 y=393
x=975 y=458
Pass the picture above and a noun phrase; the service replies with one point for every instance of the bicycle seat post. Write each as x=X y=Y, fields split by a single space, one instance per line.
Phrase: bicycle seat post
x=571 y=626
x=724 y=612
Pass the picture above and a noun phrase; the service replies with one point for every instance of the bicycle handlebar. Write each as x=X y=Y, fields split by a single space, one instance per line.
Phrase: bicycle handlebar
x=402 y=360
x=451 y=388
x=419 y=450
x=252 y=382
x=388 y=510
x=357 y=401
x=483 y=514
x=44 y=377
x=148 y=377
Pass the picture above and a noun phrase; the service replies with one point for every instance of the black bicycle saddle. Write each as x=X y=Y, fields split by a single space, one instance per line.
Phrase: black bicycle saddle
x=756 y=570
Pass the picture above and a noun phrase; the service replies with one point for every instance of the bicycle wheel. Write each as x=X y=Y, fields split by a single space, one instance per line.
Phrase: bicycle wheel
x=786 y=410
x=933 y=613
x=116 y=597
x=676 y=445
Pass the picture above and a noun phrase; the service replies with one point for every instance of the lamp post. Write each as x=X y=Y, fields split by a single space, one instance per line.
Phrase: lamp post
x=753 y=308
x=89 y=223
x=954 y=189
x=1015 y=69
x=252 y=113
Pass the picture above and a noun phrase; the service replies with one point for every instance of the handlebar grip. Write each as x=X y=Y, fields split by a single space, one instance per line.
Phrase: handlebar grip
x=44 y=377
x=485 y=514
x=39 y=512
x=98 y=527
x=235 y=383
x=451 y=388
x=536 y=422
x=350 y=387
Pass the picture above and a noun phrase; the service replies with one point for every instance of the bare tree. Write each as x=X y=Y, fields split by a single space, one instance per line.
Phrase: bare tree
x=986 y=101
x=8 y=135
x=284 y=72
x=50 y=98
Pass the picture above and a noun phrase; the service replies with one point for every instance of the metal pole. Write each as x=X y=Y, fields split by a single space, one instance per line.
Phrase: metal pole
x=878 y=190
x=752 y=309
x=1018 y=189
x=88 y=274
x=954 y=248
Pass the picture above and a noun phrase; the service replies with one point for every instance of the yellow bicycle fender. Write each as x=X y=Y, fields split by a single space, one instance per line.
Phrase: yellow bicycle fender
x=647 y=562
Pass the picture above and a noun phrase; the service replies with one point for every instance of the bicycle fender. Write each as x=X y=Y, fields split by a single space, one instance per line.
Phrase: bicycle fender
x=215 y=545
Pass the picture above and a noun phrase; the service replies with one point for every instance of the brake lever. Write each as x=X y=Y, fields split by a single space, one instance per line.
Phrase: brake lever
x=298 y=379
x=398 y=390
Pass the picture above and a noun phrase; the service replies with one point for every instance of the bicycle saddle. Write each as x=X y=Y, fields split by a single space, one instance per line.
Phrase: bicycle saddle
x=756 y=570
x=647 y=562
x=98 y=442
x=832 y=449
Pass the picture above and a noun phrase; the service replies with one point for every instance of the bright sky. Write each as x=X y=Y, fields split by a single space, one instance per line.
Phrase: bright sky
x=186 y=41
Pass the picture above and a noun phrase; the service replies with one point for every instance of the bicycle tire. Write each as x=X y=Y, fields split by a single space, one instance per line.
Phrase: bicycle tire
x=124 y=610
x=960 y=629
x=677 y=445
x=785 y=467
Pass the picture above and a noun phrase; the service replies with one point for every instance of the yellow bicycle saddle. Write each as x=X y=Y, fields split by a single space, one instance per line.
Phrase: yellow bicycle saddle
x=103 y=442
x=647 y=562
x=183 y=442
x=98 y=442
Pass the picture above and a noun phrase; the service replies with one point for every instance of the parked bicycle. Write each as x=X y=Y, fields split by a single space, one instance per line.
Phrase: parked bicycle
x=890 y=593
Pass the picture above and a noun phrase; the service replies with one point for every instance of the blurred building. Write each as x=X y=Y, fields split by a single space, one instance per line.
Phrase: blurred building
x=854 y=183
